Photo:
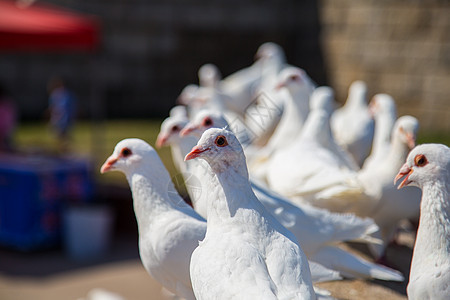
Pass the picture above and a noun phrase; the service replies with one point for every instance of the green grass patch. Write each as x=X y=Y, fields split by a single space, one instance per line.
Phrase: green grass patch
x=97 y=141
x=94 y=140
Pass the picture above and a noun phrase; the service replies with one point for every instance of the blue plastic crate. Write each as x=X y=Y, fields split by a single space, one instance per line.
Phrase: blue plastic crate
x=33 y=193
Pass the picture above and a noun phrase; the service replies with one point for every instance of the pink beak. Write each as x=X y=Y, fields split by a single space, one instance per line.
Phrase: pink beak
x=195 y=152
x=108 y=165
x=372 y=108
x=404 y=170
x=161 y=140
x=280 y=86
x=411 y=140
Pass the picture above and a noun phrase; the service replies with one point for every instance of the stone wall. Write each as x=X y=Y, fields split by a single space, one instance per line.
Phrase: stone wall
x=151 y=49
x=398 y=47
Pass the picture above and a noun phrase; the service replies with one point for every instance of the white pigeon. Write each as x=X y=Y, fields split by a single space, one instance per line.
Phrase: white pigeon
x=187 y=94
x=193 y=170
x=291 y=97
x=178 y=110
x=243 y=86
x=383 y=109
x=246 y=252
x=370 y=192
x=428 y=167
x=352 y=124
x=169 y=229
x=313 y=160
x=169 y=131
x=296 y=106
x=209 y=76
x=318 y=230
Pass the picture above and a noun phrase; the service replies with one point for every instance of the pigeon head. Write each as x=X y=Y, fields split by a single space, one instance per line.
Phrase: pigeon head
x=290 y=78
x=358 y=87
x=322 y=99
x=187 y=94
x=170 y=130
x=381 y=104
x=209 y=75
x=425 y=163
x=178 y=111
x=220 y=148
x=204 y=120
x=357 y=94
x=270 y=51
x=405 y=129
x=128 y=155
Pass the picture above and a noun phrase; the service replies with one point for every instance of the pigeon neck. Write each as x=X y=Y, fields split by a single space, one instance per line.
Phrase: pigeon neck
x=356 y=99
x=298 y=103
x=153 y=194
x=383 y=128
x=398 y=153
x=317 y=128
x=433 y=236
x=233 y=195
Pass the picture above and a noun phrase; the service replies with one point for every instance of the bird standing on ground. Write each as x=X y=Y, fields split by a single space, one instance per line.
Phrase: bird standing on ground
x=428 y=167
x=246 y=252
x=169 y=229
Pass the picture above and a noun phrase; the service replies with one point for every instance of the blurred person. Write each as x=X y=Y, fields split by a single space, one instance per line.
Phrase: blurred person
x=8 y=120
x=62 y=111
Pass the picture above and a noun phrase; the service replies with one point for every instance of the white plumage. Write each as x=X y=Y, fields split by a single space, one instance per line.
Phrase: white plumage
x=169 y=229
x=320 y=161
x=352 y=125
x=370 y=192
x=196 y=173
x=383 y=109
x=428 y=167
x=246 y=253
x=318 y=230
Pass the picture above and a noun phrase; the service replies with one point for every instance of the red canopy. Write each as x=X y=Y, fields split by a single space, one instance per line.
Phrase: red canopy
x=41 y=27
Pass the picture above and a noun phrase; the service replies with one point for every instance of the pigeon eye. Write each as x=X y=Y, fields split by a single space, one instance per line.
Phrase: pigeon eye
x=420 y=160
x=175 y=128
x=221 y=141
x=207 y=122
x=126 y=152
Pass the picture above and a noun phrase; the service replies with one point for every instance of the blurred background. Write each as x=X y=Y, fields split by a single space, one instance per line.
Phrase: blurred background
x=123 y=64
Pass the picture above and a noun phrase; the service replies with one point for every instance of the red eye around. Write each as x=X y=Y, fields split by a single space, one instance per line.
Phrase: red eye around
x=207 y=122
x=420 y=160
x=126 y=152
x=221 y=141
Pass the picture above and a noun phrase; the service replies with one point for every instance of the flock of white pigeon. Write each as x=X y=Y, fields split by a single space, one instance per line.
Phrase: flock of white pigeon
x=278 y=179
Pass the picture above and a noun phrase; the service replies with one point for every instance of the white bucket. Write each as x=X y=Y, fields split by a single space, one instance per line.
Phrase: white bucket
x=87 y=231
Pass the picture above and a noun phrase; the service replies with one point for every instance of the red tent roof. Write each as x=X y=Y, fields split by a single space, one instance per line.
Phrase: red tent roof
x=42 y=27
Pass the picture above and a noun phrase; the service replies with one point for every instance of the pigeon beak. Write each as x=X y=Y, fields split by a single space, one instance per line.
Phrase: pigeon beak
x=279 y=86
x=109 y=164
x=405 y=170
x=161 y=140
x=372 y=108
x=411 y=140
x=195 y=152
x=188 y=129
